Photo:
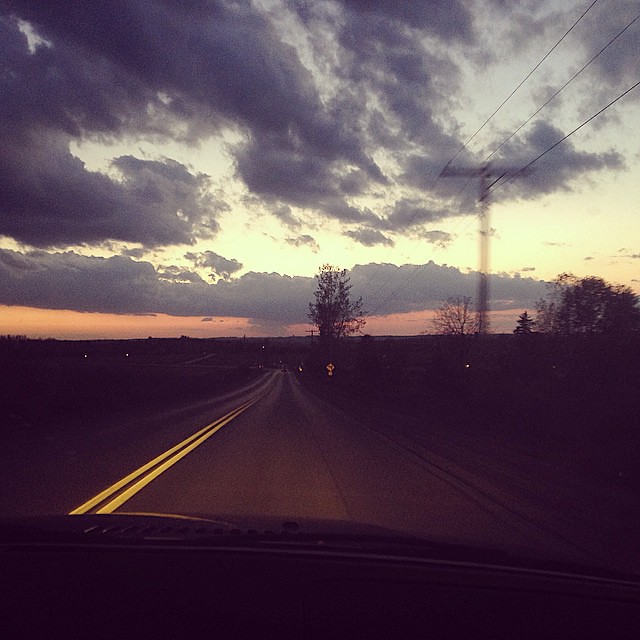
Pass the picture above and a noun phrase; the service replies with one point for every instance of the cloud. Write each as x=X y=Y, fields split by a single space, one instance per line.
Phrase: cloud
x=365 y=99
x=220 y=266
x=285 y=215
x=409 y=212
x=447 y=197
x=388 y=288
x=106 y=76
x=625 y=253
x=58 y=202
x=133 y=253
x=206 y=319
x=173 y=273
x=61 y=93
x=439 y=238
x=404 y=214
x=528 y=269
x=304 y=240
x=444 y=18
x=369 y=237
x=121 y=285
x=589 y=258
x=619 y=70
x=211 y=59
x=557 y=170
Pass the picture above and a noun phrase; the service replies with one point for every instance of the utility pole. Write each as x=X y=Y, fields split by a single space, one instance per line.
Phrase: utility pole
x=488 y=175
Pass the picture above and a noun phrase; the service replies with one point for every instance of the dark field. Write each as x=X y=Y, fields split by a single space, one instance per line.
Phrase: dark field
x=572 y=401
x=69 y=381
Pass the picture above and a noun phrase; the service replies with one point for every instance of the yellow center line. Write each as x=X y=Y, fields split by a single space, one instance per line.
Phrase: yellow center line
x=178 y=451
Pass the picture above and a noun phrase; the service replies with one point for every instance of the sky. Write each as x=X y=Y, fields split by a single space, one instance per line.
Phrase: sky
x=185 y=167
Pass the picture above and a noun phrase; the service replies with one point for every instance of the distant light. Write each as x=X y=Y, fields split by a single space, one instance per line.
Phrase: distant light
x=466 y=366
x=126 y=354
x=85 y=355
x=300 y=369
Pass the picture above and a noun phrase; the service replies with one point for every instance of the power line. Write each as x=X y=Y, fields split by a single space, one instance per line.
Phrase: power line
x=497 y=185
x=575 y=75
x=419 y=267
x=482 y=126
x=584 y=13
x=555 y=144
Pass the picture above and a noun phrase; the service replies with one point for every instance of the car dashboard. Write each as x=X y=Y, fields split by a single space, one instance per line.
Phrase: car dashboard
x=246 y=585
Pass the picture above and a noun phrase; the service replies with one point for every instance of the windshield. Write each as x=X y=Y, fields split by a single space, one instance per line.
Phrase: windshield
x=361 y=262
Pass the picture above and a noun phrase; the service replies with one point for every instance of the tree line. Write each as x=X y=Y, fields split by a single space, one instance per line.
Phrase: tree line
x=573 y=306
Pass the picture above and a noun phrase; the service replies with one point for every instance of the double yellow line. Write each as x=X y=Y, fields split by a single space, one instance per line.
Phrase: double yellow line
x=141 y=477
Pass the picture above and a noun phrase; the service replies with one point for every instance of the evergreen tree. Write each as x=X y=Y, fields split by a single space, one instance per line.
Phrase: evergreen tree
x=524 y=324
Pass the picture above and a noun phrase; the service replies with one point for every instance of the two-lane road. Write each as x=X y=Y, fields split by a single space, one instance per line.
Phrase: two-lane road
x=275 y=450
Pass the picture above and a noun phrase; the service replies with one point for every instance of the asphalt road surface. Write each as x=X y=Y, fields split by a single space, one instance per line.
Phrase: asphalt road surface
x=273 y=449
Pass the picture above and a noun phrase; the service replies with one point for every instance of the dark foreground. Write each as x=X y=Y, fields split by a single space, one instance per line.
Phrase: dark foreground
x=202 y=434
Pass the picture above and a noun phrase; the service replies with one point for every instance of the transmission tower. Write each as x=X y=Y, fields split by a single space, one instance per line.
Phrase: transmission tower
x=488 y=175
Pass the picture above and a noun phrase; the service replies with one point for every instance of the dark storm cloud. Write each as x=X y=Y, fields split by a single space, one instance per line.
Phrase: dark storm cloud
x=219 y=59
x=444 y=18
x=405 y=214
x=121 y=285
x=392 y=89
x=64 y=89
x=272 y=170
x=165 y=70
x=555 y=171
x=156 y=69
x=284 y=166
x=413 y=83
x=219 y=266
x=49 y=198
x=71 y=281
x=617 y=68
